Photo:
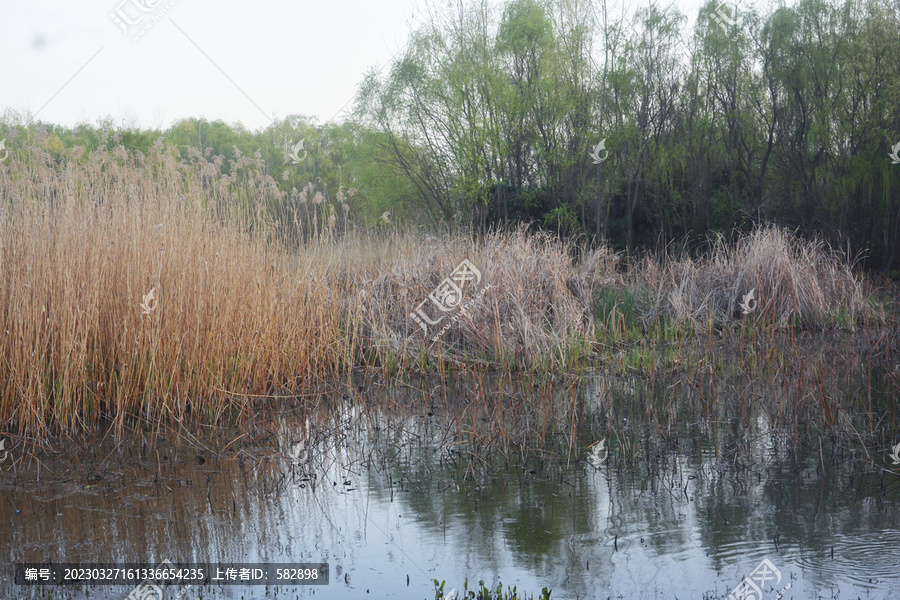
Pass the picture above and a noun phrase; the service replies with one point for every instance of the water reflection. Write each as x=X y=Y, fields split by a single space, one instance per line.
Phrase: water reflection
x=408 y=483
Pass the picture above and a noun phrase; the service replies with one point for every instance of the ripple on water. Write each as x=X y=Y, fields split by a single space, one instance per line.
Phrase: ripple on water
x=865 y=558
x=736 y=552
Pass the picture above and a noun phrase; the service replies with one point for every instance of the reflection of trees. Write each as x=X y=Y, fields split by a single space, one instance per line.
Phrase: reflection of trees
x=682 y=466
x=510 y=502
x=694 y=468
x=534 y=516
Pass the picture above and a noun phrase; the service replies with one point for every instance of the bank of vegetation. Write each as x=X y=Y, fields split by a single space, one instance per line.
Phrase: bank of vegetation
x=743 y=185
x=136 y=285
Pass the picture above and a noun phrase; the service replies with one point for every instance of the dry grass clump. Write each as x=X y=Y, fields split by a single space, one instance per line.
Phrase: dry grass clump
x=524 y=306
x=792 y=278
x=82 y=247
x=134 y=286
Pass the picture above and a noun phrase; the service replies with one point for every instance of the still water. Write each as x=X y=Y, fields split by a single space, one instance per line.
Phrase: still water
x=395 y=487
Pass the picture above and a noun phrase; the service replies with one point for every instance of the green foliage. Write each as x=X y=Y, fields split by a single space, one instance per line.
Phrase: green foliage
x=484 y=593
x=616 y=301
x=782 y=116
x=337 y=158
x=490 y=117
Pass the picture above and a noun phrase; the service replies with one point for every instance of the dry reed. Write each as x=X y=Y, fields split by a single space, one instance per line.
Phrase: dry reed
x=791 y=278
x=134 y=286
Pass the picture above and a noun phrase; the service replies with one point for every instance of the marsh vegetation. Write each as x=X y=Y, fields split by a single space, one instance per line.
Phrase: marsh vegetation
x=276 y=361
x=135 y=287
x=446 y=349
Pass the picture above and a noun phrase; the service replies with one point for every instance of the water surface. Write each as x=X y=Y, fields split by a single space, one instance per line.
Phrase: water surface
x=397 y=486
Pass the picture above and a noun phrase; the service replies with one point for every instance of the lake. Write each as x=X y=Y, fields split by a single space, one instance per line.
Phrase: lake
x=485 y=477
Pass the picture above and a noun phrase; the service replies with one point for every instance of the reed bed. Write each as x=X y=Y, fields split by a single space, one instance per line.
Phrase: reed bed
x=789 y=278
x=225 y=314
x=135 y=286
x=524 y=310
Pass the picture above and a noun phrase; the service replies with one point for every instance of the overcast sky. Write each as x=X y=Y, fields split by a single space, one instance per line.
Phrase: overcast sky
x=68 y=61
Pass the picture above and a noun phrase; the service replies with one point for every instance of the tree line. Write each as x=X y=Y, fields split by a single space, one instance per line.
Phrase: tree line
x=604 y=121
x=589 y=119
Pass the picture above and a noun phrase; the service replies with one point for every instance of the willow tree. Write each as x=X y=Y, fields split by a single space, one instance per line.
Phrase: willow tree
x=786 y=115
x=497 y=110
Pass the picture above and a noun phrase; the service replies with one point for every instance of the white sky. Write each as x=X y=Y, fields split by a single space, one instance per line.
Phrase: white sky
x=289 y=57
